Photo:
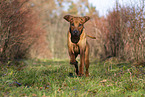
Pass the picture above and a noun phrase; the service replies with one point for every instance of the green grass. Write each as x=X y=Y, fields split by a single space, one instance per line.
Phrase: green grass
x=44 y=78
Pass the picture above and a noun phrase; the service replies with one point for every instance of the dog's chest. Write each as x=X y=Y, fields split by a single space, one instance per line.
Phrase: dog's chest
x=76 y=48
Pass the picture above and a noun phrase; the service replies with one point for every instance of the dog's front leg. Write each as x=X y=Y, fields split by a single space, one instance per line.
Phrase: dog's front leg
x=82 y=57
x=74 y=62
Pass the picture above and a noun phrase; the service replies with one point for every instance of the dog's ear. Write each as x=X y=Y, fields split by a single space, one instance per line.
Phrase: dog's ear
x=85 y=19
x=68 y=17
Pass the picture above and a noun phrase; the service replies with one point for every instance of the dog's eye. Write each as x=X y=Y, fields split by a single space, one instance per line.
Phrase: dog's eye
x=72 y=24
x=80 y=25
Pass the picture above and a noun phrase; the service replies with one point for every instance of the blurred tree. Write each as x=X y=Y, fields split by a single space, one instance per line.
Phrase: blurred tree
x=73 y=9
x=82 y=8
x=92 y=11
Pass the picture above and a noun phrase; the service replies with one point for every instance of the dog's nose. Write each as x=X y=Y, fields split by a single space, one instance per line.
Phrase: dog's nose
x=75 y=31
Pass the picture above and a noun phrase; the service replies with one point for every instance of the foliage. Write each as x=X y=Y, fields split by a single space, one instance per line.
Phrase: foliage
x=51 y=78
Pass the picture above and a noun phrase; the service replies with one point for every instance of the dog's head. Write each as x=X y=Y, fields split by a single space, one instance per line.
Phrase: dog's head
x=76 y=26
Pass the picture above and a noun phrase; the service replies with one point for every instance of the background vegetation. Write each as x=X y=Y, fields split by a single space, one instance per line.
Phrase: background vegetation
x=36 y=29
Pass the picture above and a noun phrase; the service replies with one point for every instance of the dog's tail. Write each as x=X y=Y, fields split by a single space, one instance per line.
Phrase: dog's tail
x=91 y=37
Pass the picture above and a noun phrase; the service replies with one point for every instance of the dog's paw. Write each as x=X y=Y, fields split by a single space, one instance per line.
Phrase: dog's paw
x=87 y=75
x=81 y=74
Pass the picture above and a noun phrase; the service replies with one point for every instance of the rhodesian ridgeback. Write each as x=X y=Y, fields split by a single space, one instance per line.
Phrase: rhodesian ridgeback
x=77 y=43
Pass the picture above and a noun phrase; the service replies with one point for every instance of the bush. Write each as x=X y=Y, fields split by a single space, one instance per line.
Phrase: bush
x=122 y=33
x=17 y=31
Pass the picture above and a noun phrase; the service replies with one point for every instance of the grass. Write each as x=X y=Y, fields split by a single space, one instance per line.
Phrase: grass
x=50 y=78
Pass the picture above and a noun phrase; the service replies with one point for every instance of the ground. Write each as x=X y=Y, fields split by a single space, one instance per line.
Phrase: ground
x=50 y=78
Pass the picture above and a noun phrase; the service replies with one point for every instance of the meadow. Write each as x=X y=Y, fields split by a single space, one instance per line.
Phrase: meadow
x=50 y=78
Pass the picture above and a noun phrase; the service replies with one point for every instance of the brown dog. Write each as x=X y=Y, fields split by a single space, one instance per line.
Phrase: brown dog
x=77 y=43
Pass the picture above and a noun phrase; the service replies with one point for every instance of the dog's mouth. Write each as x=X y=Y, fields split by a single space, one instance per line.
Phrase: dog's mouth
x=75 y=39
x=75 y=36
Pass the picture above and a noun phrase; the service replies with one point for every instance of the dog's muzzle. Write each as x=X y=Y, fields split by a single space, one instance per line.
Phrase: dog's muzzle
x=75 y=33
